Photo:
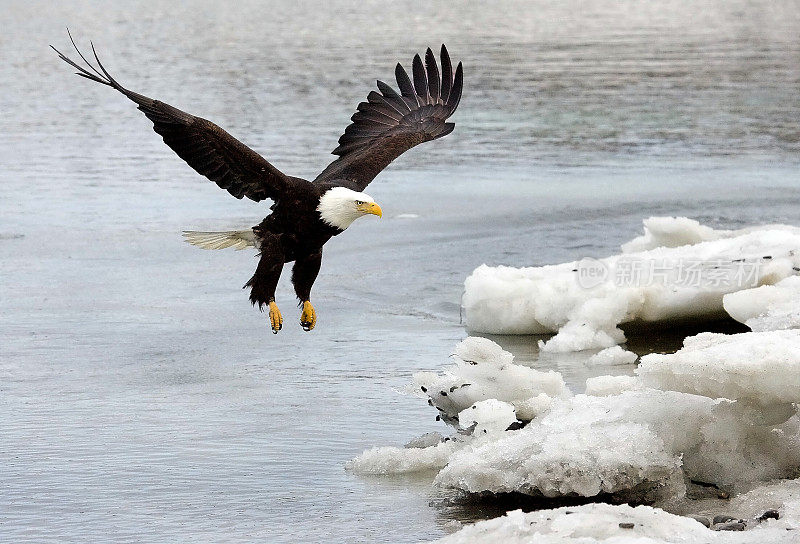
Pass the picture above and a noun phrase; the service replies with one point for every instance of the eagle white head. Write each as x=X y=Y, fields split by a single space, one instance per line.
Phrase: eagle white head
x=340 y=206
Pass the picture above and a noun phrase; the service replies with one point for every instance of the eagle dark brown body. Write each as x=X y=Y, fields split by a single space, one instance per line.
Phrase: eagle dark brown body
x=305 y=214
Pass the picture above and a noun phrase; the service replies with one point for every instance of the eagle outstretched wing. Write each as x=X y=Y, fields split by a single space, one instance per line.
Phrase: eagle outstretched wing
x=204 y=146
x=389 y=123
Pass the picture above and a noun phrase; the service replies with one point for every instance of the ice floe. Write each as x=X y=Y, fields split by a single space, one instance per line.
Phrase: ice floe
x=635 y=444
x=613 y=356
x=609 y=524
x=603 y=386
x=393 y=460
x=760 y=368
x=770 y=514
x=568 y=452
x=672 y=232
x=719 y=411
x=678 y=270
x=767 y=308
x=483 y=371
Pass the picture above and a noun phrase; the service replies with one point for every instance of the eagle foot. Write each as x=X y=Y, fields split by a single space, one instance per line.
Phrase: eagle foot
x=309 y=316
x=275 y=317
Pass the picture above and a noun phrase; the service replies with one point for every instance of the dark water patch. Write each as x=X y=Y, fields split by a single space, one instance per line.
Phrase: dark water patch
x=668 y=336
x=474 y=507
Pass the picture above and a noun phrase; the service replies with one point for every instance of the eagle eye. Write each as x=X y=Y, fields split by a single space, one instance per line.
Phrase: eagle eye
x=359 y=202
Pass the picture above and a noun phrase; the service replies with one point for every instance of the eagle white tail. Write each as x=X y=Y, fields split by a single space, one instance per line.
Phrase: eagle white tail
x=237 y=239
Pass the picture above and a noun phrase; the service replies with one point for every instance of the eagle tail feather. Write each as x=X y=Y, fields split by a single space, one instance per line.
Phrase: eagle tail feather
x=237 y=239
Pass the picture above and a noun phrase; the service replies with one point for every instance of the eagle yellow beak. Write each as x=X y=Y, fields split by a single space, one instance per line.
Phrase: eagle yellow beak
x=371 y=207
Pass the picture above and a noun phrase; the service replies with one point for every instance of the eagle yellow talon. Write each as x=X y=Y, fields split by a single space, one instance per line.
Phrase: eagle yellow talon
x=309 y=317
x=275 y=317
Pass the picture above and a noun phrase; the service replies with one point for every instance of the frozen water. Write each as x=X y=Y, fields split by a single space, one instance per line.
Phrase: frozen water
x=392 y=460
x=767 y=308
x=623 y=524
x=671 y=232
x=562 y=457
x=629 y=444
x=588 y=524
x=483 y=371
x=489 y=416
x=624 y=437
x=426 y=440
x=604 y=523
x=615 y=355
x=603 y=386
x=656 y=278
x=759 y=368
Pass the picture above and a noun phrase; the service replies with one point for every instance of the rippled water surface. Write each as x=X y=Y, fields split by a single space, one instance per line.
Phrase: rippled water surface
x=142 y=399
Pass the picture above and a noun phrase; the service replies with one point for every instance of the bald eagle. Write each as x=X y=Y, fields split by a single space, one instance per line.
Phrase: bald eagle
x=304 y=214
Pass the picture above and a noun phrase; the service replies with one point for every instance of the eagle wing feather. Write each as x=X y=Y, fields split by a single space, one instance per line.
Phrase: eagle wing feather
x=389 y=124
x=206 y=147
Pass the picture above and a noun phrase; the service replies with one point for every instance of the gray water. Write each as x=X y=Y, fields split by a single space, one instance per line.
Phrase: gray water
x=143 y=399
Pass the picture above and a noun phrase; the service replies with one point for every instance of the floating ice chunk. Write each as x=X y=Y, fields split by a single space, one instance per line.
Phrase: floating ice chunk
x=475 y=350
x=585 y=524
x=584 y=303
x=628 y=444
x=607 y=524
x=761 y=368
x=392 y=460
x=767 y=308
x=603 y=386
x=577 y=462
x=593 y=326
x=488 y=416
x=672 y=232
x=482 y=371
x=425 y=441
x=612 y=356
x=568 y=452
x=724 y=413
x=505 y=300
